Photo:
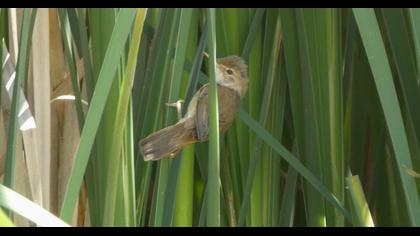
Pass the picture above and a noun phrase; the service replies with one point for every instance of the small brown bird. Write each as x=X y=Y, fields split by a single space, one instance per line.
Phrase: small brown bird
x=232 y=85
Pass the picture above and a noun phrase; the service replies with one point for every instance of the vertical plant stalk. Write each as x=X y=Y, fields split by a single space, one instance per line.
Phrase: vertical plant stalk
x=75 y=26
x=414 y=14
x=359 y=202
x=381 y=71
x=293 y=161
x=42 y=92
x=25 y=118
x=122 y=27
x=20 y=73
x=13 y=33
x=184 y=205
x=183 y=212
x=86 y=56
x=264 y=111
x=176 y=81
x=288 y=202
x=157 y=72
x=66 y=34
x=310 y=145
x=163 y=168
x=101 y=23
x=141 y=90
x=125 y=92
x=213 y=203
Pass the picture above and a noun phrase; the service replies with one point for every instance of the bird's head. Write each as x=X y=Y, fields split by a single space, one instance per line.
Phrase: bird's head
x=232 y=72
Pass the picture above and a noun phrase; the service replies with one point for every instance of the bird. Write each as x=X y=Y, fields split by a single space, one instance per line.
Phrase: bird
x=232 y=86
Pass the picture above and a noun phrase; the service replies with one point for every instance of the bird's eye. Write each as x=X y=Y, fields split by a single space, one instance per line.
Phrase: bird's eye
x=229 y=71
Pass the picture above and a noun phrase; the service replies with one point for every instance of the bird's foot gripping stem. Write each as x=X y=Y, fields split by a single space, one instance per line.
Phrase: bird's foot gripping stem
x=178 y=106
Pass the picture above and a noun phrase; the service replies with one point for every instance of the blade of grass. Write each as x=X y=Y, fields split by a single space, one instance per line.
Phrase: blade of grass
x=358 y=199
x=152 y=98
x=26 y=81
x=145 y=78
x=121 y=118
x=255 y=25
x=195 y=68
x=203 y=209
x=289 y=199
x=129 y=173
x=5 y=221
x=295 y=163
x=236 y=135
x=119 y=36
x=13 y=34
x=227 y=189
x=404 y=58
x=179 y=59
x=143 y=126
x=184 y=206
x=143 y=70
x=258 y=103
x=20 y=73
x=21 y=205
x=164 y=166
x=41 y=101
x=29 y=122
x=169 y=171
x=72 y=65
x=264 y=110
x=73 y=23
x=398 y=214
x=378 y=60
x=230 y=30
x=275 y=165
x=323 y=47
x=302 y=87
x=178 y=68
x=101 y=24
x=414 y=15
x=84 y=44
x=213 y=202
x=183 y=212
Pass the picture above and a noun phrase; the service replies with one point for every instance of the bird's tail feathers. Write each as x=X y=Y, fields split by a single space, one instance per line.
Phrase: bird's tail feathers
x=165 y=142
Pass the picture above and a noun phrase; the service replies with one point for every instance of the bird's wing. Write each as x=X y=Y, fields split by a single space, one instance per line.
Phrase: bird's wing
x=202 y=113
x=227 y=110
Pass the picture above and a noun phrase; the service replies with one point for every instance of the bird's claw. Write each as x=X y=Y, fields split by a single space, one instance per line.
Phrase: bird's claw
x=178 y=106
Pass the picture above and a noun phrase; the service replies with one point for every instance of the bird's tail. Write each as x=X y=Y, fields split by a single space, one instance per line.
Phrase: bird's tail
x=166 y=142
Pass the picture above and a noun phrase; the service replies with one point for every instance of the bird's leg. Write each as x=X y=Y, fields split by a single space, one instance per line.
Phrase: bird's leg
x=206 y=55
x=178 y=106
